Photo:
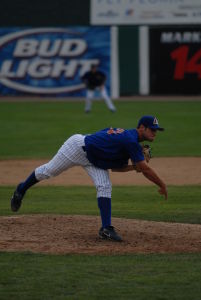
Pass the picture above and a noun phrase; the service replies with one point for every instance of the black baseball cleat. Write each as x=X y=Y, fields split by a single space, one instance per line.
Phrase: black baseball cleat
x=16 y=200
x=109 y=233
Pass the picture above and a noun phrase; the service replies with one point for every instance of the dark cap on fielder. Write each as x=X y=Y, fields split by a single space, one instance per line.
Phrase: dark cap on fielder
x=150 y=122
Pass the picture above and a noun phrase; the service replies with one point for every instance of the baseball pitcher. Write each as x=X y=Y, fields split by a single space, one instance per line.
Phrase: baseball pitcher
x=97 y=153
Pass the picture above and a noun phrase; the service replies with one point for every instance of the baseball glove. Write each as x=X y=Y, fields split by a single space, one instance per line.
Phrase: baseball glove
x=146 y=149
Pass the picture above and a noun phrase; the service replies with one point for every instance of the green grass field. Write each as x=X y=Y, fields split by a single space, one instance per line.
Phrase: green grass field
x=143 y=277
x=145 y=203
x=36 y=130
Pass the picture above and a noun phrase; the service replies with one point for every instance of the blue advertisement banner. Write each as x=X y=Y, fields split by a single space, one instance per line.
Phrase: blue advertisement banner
x=51 y=61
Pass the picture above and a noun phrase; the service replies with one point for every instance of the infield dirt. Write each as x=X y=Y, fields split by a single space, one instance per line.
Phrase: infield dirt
x=173 y=170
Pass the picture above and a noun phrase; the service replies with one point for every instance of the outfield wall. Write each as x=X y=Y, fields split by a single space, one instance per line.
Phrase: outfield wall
x=137 y=59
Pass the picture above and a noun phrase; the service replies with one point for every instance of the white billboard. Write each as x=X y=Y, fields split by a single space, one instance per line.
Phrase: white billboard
x=147 y=12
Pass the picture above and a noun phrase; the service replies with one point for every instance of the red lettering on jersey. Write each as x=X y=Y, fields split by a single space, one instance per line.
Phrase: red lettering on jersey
x=115 y=131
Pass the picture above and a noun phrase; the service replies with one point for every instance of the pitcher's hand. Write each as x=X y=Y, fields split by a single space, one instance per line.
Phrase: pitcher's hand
x=163 y=191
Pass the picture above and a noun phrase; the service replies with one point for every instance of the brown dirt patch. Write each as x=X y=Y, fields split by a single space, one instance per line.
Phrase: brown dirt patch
x=174 y=171
x=64 y=234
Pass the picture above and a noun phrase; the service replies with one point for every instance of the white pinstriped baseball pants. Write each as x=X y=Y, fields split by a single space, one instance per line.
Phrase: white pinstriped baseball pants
x=72 y=154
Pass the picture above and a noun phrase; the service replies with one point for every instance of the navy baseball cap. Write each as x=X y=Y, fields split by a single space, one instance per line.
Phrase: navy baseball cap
x=150 y=122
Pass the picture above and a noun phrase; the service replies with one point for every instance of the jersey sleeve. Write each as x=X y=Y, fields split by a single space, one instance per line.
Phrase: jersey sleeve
x=135 y=152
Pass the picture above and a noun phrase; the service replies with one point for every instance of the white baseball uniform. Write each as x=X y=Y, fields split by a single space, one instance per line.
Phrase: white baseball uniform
x=103 y=92
x=72 y=154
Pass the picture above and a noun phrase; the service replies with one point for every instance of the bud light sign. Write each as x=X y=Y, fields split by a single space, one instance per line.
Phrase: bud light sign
x=51 y=61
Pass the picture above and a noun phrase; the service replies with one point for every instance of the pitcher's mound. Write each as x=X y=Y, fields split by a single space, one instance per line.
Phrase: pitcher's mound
x=57 y=234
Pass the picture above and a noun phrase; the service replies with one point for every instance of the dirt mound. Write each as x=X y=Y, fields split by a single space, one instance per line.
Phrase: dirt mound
x=78 y=234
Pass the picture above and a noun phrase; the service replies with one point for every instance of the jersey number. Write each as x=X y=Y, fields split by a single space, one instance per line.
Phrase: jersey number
x=115 y=131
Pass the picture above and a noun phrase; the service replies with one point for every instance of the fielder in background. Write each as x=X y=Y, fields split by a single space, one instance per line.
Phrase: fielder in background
x=110 y=148
x=94 y=80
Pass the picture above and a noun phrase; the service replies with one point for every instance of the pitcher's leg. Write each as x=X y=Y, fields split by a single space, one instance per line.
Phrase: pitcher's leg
x=104 y=188
x=54 y=167
x=101 y=180
x=69 y=155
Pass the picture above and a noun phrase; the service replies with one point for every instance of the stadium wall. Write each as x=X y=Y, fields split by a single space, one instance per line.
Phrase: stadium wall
x=148 y=60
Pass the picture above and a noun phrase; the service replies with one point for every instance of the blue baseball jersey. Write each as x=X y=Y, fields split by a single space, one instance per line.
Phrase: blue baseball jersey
x=111 y=148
